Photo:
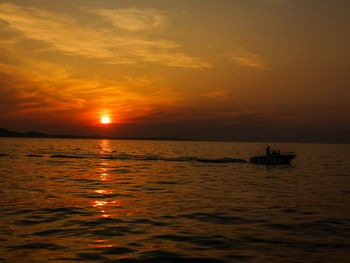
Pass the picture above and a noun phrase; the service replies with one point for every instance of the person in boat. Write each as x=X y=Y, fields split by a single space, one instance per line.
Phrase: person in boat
x=268 y=150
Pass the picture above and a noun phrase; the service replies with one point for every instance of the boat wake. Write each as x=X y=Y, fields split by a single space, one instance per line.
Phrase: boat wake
x=145 y=157
x=154 y=157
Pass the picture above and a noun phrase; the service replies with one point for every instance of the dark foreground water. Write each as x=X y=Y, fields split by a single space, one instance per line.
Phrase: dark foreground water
x=65 y=200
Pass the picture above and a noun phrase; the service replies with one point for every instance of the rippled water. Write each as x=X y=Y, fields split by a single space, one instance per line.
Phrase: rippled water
x=65 y=200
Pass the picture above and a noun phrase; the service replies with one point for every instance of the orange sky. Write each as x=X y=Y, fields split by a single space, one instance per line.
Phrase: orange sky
x=240 y=70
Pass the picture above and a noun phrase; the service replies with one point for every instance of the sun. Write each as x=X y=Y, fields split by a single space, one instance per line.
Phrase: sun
x=105 y=120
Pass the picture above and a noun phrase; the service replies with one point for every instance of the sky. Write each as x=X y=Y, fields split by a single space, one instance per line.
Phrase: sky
x=245 y=70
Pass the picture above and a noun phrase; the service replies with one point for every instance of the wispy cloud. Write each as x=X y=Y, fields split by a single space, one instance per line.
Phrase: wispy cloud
x=29 y=91
x=249 y=59
x=133 y=19
x=37 y=87
x=65 y=34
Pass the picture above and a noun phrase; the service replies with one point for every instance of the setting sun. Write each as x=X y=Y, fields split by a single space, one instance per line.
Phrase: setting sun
x=105 y=120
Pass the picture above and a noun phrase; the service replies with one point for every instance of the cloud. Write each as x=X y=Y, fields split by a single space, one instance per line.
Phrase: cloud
x=249 y=59
x=64 y=34
x=238 y=116
x=133 y=19
x=22 y=94
x=33 y=87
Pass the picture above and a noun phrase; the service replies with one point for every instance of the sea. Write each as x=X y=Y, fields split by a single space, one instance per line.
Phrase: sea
x=87 y=200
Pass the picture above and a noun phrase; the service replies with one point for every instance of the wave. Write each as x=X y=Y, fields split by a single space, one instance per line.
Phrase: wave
x=66 y=156
x=34 y=155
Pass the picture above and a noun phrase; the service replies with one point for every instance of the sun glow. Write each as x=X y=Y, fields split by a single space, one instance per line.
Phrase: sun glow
x=105 y=120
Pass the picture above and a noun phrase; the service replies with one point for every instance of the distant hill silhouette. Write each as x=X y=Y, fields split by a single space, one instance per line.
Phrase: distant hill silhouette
x=33 y=134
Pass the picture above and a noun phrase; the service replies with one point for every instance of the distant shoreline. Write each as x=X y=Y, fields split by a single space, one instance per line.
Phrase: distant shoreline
x=4 y=133
x=13 y=134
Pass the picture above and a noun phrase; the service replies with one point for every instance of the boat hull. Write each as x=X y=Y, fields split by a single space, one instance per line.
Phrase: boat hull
x=278 y=159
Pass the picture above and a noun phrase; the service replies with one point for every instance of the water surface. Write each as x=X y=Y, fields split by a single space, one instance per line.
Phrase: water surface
x=68 y=200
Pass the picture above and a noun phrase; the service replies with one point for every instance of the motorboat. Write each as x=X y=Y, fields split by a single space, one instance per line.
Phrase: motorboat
x=274 y=158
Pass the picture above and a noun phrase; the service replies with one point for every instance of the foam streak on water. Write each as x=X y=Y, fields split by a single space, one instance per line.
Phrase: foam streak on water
x=66 y=200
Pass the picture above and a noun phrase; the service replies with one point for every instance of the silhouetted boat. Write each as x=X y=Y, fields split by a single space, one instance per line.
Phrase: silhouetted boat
x=273 y=159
